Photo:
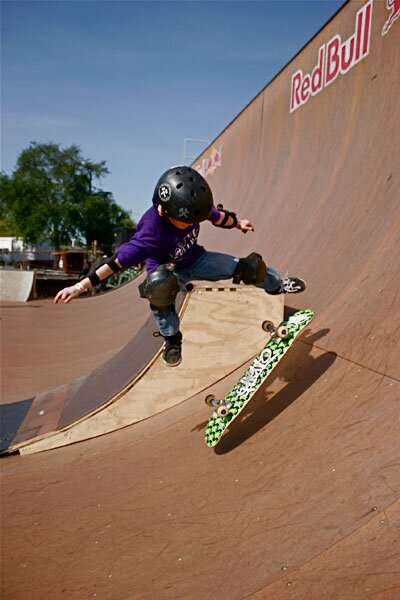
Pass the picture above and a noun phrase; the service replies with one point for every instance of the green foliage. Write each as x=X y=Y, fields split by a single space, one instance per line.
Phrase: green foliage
x=7 y=228
x=51 y=195
x=101 y=210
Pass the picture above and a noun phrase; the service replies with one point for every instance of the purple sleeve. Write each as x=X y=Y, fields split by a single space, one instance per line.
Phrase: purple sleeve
x=215 y=215
x=143 y=245
x=132 y=253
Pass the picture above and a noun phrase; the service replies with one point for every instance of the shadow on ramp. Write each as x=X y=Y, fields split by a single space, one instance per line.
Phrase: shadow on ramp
x=300 y=370
x=5 y=306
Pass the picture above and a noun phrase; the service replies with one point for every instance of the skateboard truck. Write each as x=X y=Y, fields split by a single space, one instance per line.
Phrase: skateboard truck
x=281 y=332
x=222 y=409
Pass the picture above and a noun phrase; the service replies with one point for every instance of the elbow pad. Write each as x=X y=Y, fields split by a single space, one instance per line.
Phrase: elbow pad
x=110 y=261
x=106 y=260
x=228 y=214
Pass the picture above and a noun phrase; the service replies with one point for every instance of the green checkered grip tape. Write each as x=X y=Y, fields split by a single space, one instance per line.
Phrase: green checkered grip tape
x=255 y=375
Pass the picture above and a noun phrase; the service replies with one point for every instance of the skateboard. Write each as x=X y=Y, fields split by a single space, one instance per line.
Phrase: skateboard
x=281 y=338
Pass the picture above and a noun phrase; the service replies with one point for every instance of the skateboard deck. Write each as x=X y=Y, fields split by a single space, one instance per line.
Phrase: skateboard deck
x=252 y=379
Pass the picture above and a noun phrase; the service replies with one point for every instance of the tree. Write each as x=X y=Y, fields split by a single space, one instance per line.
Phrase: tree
x=101 y=210
x=51 y=195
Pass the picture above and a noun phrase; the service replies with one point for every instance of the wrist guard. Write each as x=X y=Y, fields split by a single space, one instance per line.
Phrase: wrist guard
x=94 y=279
x=224 y=221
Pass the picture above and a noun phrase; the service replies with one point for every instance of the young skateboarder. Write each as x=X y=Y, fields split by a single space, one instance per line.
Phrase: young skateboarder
x=166 y=239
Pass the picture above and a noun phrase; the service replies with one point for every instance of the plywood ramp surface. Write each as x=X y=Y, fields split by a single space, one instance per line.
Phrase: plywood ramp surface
x=222 y=330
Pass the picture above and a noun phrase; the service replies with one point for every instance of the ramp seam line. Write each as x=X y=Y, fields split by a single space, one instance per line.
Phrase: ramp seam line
x=352 y=361
x=355 y=530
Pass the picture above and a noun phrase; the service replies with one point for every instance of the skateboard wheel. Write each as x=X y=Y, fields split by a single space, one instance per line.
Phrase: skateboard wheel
x=222 y=411
x=282 y=332
x=268 y=326
x=210 y=400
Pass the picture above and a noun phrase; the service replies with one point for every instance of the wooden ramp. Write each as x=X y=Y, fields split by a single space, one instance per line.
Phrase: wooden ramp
x=16 y=285
x=222 y=330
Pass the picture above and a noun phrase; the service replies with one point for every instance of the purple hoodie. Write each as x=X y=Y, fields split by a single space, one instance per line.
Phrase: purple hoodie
x=158 y=242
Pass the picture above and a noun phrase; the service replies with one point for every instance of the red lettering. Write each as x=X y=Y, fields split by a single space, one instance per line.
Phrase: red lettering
x=367 y=29
x=347 y=55
x=332 y=60
x=296 y=83
x=317 y=80
x=358 y=33
x=305 y=88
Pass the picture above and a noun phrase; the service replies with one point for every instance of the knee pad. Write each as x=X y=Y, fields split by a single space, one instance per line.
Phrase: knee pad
x=160 y=287
x=251 y=270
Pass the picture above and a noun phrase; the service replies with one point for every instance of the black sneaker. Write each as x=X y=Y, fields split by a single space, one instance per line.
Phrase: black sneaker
x=292 y=285
x=172 y=352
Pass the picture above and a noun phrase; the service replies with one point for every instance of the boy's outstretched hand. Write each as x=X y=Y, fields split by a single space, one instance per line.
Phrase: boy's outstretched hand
x=244 y=225
x=67 y=294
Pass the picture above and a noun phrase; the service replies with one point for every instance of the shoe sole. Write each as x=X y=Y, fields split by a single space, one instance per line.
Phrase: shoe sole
x=176 y=364
x=298 y=291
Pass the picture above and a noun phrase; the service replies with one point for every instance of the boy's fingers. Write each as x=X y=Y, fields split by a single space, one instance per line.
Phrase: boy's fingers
x=66 y=295
x=247 y=226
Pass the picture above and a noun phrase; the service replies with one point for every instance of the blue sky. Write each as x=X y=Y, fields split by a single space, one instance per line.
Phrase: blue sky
x=128 y=81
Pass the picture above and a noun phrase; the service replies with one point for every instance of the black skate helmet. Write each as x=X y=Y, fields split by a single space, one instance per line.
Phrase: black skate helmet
x=184 y=195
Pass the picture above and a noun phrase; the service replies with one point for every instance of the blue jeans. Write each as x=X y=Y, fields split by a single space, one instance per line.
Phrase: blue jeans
x=210 y=266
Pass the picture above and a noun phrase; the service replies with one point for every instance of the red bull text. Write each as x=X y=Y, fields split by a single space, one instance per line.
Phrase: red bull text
x=394 y=7
x=212 y=162
x=334 y=58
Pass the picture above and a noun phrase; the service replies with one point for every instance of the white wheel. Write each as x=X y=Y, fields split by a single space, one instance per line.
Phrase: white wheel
x=268 y=326
x=222 y=411
x=209 y=400
x=282 y=332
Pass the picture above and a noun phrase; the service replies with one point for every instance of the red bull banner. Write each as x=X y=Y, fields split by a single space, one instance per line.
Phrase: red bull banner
x=212 y=162
x=337 y=57
x=393 y=7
